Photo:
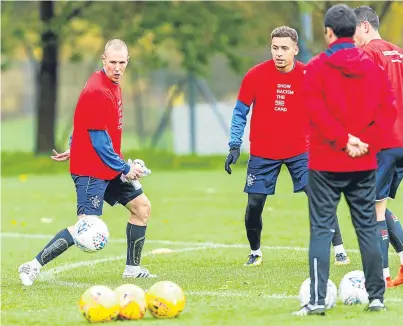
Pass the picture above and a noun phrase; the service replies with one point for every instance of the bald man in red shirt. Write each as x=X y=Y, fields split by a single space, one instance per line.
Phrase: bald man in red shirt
x=97 y=166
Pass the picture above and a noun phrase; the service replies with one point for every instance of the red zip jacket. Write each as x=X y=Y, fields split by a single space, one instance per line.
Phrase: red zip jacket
x=346 y=93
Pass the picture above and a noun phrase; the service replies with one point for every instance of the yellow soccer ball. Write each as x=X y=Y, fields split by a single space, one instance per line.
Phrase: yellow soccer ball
x=132 y=301
x=165 y=299
x=99 y=304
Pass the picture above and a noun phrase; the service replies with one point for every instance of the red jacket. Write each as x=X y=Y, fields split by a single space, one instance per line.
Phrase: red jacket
x=345 y=93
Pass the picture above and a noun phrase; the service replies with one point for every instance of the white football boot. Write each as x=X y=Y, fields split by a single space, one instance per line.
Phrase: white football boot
x=137 y=272
x=28 y=273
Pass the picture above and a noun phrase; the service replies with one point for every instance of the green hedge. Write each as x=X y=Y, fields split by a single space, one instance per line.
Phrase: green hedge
x=16 y=163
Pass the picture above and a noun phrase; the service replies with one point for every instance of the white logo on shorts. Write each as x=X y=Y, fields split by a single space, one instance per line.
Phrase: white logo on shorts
x=96 y=202
x=250 y=179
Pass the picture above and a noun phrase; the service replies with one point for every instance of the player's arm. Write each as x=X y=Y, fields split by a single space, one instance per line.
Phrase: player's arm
x=385 y=115
x=317 y=110
x=238 y=122
x=241 y=110
x=61 y=157
x=102 y=144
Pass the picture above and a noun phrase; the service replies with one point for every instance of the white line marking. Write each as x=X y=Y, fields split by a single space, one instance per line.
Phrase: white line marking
x=49 y=276
x=221 y=294
x=169 y=242
x=51 y=273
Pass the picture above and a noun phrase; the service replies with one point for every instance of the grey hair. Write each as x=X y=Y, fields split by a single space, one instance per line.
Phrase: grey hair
x=367 y=14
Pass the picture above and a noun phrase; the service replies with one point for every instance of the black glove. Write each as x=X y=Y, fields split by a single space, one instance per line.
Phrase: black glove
x=231 y=159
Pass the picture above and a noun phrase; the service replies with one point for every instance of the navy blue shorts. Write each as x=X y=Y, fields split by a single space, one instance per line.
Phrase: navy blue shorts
x=92 y=192
x=262 y=173
x=389 y=173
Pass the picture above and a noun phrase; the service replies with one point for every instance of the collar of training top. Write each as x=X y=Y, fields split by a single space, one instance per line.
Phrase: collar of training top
x=103 y=70
x=341 y=44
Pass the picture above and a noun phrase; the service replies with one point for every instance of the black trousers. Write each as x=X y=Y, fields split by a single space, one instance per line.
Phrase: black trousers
x=325 y=189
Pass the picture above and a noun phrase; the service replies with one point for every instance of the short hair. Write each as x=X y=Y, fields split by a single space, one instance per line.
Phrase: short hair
x=285 y=31
x=342 y=20
x=115 y=44
x=367 y=14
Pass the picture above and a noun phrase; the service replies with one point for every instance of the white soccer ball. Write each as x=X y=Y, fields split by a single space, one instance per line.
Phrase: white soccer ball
x=91 y=234
x=305 y=293
x=352 y=288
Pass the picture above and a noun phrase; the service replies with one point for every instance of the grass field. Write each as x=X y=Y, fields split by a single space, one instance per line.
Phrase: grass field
x=200 y=216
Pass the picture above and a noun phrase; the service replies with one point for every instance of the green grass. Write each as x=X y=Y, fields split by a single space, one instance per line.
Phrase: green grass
x=192 y=206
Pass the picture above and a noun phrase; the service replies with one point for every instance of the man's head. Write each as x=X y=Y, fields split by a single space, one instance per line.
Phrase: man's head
x=115 y=59
x=367 y=25
x=340 y=21
x=284 y=47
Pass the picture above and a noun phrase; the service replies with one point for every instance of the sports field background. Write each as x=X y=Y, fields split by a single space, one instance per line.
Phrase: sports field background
x=199 y=214
x=197 y=209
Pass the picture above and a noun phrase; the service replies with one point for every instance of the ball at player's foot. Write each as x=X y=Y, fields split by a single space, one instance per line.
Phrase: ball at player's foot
x=90 y=234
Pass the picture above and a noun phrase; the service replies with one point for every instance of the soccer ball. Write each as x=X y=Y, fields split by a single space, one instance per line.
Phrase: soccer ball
x=90 y=234
x=305 y=293
x=132 y=301
x=352 y=288
x=165 y=299
x=99 y=304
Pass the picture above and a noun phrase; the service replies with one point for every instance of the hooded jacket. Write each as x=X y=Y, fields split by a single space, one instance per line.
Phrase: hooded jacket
x=346 y=93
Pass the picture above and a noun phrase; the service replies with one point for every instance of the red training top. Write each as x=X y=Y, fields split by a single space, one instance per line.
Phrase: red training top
x=99 y=107
x=390 y=57
x=278 y=127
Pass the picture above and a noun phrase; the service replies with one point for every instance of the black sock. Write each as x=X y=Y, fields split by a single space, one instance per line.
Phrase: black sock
x=337 y=240
x=383 y=236
x=395 y=231
x=59 y=244
x=253 y=219
x=136 y=236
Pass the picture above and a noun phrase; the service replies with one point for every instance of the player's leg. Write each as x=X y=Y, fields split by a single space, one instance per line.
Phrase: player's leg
x=87 y=188
x=396 y=239
x=298 y=168
x=394 y=225
x=360 y=197
x=261 y=181
x=254 y=225
x=340 y=254
x=387 y=160
x=139 y=207
x=324 y=196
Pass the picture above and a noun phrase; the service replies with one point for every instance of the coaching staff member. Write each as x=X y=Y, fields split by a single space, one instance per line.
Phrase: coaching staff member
x=351 y=107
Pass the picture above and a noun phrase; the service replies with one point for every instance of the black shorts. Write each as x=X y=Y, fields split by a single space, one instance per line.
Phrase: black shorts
x=389 y=174
x=262 y=173
x=92 y=192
